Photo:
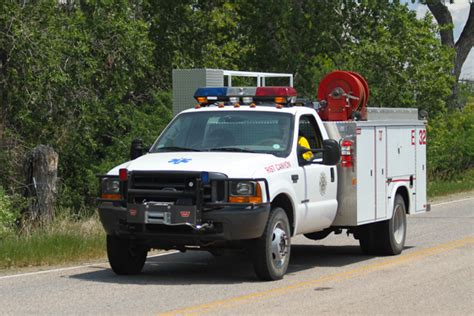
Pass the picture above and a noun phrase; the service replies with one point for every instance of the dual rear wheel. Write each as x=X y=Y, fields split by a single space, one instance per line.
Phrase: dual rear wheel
x=387 y=237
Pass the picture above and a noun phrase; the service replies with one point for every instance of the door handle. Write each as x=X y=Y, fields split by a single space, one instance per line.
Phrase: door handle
x=294 y=178
x=332 y=175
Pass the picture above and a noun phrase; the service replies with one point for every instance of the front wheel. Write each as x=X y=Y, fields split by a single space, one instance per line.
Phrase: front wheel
x=124 y=256
x=271 y=252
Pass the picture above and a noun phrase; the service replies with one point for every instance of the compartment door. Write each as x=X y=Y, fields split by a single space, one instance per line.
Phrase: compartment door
x=400 y=152
x=365 y=162
x=420 y=181
x=381 y=172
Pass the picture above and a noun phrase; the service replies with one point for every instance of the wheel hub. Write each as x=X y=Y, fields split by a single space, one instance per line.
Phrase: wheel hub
x=398 y=225
x=279 y=246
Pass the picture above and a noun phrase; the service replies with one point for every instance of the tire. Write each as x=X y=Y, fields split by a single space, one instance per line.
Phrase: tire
x=387 y=237
x=367 y=240
x=125 y=257
x=271 y=252
x=393 y=232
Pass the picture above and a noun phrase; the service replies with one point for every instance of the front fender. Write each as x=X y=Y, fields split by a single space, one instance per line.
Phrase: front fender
x=285 y=187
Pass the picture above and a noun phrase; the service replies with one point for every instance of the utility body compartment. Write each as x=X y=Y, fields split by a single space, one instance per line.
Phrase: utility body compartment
x=387 y=156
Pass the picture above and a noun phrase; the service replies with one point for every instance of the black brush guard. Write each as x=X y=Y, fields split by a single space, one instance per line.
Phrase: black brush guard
x=175 y=197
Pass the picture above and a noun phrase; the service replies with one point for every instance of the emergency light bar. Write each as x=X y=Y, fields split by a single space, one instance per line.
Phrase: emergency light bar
x=245 y=95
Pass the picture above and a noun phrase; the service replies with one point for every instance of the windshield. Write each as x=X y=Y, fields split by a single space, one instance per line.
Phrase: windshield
x=239 y=131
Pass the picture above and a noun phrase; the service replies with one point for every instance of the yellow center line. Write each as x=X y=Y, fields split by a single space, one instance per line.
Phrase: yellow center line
x=340 y=276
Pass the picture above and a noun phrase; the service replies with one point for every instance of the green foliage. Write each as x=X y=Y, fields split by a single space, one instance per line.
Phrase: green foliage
x=403 y=61
x=88 y=77
x=9 y=213
x=451 y=143
x=463 y=182
x=78 y=78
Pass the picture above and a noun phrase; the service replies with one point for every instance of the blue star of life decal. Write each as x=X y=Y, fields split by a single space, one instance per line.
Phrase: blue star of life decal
x=176 y=161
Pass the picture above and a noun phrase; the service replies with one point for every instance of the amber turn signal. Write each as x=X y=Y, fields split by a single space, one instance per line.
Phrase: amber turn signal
x=111 y=196
x=257 y=198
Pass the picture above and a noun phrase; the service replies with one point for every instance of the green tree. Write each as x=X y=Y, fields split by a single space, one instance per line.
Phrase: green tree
x=400 y=56
x=77 y=77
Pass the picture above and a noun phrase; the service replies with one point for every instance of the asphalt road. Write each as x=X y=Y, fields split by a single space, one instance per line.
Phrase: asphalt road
x=434 y=275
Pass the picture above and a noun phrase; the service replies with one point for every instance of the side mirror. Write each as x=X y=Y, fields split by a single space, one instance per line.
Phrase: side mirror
x=136 y=148
x=331 y=152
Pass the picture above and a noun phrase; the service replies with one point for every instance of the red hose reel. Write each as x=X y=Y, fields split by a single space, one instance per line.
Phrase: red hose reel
x=343 y=96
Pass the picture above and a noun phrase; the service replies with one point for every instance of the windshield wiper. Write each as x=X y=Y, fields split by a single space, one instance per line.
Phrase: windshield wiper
x=234 y=149
x=175 y=148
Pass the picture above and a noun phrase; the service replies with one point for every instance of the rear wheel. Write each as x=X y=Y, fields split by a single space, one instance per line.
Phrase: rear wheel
x=387 y=237
x=271 y=252
x=124 y=256
x=393 y=231
x=367 y=239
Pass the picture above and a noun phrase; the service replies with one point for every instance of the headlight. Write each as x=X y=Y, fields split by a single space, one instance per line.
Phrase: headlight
x=110 y=189
x=242 y=188
x=245 y=192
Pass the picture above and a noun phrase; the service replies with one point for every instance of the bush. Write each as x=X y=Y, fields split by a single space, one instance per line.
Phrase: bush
x=8 y=213
x=451 y=143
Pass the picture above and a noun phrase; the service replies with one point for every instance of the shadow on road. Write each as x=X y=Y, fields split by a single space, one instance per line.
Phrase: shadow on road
x=199 y=267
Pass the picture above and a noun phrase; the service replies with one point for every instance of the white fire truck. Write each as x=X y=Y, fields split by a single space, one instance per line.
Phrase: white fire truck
x=251 y=167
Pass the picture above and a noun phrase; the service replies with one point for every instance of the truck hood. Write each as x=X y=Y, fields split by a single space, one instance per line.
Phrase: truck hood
x=230 y=163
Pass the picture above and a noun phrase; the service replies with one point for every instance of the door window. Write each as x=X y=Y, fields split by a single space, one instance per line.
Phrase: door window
x=308 y=128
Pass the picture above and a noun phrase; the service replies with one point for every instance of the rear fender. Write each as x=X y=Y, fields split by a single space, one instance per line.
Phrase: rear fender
x=404 y=190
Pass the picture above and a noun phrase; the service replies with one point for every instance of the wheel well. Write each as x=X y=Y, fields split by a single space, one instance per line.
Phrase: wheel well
x=403 y=191
x=283 y=201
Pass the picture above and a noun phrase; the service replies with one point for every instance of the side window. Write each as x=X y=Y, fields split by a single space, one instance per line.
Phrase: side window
x=308 y=128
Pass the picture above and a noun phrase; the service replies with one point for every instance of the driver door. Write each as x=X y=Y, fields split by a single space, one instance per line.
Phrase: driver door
x=319 y=180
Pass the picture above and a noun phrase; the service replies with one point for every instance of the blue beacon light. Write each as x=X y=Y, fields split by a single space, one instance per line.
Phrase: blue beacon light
x=205 y=177
x=213 y=91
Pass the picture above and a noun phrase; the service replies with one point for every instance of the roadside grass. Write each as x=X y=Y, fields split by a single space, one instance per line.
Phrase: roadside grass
x=64 y=241
x=461 y=183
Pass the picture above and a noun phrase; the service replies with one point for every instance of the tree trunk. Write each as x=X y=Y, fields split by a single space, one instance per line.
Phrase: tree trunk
x=463 y=45
x=41 y=170
x=465 y=42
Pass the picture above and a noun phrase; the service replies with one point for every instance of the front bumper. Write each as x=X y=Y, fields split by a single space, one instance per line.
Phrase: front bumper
x=223 y=224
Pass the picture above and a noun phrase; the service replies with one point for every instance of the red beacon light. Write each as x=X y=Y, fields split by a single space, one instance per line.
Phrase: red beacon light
x=277 y=94
x=238 y=96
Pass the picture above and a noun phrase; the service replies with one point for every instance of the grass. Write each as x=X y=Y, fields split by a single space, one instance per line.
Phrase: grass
x=64 y=241
x=461 y=183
